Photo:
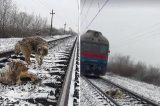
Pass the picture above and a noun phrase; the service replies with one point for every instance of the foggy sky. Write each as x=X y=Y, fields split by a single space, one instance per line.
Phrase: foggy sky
x=132 y=27
x=65 y=11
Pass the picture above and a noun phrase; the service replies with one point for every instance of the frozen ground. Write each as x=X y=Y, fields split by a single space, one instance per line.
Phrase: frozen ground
x=147 y=90
x=7 y=44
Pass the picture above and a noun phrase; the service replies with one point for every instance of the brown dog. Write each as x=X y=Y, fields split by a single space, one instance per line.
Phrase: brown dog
x=115 y=93
x=14 y=72
x=32 y=45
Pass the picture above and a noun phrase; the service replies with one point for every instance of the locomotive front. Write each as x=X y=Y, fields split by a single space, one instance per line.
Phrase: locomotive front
x=94 y=53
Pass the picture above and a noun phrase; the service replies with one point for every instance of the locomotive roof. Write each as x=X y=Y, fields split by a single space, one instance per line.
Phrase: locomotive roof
x=94 y=36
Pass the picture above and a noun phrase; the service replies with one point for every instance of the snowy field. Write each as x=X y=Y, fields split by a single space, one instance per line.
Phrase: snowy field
x=147 y=90
x=7 y=44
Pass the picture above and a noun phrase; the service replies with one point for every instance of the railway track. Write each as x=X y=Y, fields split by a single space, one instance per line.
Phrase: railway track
x=77 y=78
x=74 y=87
x=95 y=93
x=55 y=73
x=52 y=43
x=64 y=96
x=125 y=97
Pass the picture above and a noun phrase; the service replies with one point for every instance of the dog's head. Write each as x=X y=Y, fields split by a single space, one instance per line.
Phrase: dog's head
x=42 y=50
x=18 y=66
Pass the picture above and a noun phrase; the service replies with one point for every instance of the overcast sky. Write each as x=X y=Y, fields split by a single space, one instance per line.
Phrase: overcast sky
x=132 y=27
x=65 y=11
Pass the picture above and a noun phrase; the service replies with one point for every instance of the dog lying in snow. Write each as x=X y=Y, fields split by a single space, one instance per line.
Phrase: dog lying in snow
x=14 y=73
x=115 y=93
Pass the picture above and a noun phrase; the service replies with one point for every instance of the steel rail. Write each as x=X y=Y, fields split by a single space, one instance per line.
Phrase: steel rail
x=64 y=96
x=69 y=65
x=107 y=97
x=52 y=42
x=131 y=92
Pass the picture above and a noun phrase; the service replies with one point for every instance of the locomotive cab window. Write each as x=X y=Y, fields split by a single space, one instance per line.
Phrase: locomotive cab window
x=94 y=48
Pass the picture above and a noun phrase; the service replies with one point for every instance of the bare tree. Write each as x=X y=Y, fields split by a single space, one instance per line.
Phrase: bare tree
x=20 y=24
x=5 y=7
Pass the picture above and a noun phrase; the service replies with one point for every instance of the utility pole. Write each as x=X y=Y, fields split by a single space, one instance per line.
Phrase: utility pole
x=65 y=27
x=70 y=30
x=52 y=13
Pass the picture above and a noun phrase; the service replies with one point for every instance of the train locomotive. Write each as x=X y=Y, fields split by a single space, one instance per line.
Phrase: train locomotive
x=94 y=53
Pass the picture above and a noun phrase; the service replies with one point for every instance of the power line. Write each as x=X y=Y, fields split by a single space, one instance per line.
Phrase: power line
x=87 y=11
x=78 y=4
x=136 y=40
x=135 y=43
x=83 y=7
x=98 y=5
x=96 y=14
x=139 y=35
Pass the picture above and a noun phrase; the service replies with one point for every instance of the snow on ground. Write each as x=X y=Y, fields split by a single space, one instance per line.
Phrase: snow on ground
x=7 y=44
x=147 y=90
x=48 y=38
x=90 y=97
x=41 y=93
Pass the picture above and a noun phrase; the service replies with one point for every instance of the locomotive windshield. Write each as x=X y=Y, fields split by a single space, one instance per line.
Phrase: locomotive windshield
x=94 y=48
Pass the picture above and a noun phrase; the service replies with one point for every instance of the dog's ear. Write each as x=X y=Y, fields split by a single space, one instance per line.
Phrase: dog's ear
x=45 y=50
x=39 y=49
x=20 y=42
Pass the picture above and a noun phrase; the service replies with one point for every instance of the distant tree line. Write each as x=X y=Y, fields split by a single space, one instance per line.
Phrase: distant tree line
x=124 y=66
x=20 y=24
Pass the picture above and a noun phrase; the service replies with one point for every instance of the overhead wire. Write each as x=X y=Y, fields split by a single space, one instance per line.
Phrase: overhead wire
x=136 y=42
x=85 y=16
x=83 y=7
x=139 y=36
x=78 y=4
x=96 y=15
